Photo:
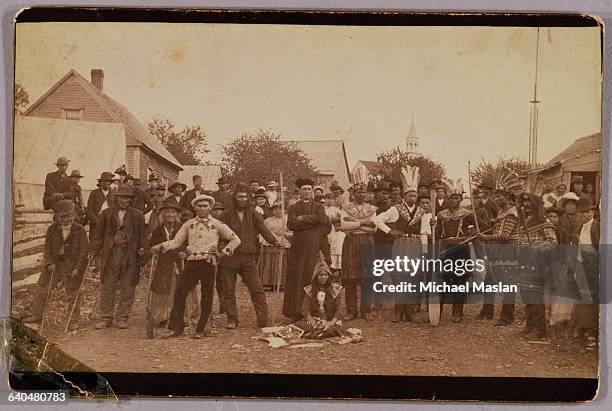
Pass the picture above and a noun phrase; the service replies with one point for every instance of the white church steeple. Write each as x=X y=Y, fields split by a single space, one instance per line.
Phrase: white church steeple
x=412 y=141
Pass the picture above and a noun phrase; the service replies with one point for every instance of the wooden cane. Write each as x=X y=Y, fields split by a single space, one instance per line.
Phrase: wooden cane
x=74 y=304
x=149 y=298
x=42 y=321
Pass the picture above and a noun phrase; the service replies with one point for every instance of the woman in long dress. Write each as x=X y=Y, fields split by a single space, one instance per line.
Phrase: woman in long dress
x=271 y=256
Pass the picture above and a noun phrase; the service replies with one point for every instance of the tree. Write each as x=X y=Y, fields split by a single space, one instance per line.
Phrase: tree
x=262 y=156
x=393 y=160
x=188 y=146
x=21 y=98
x=487 y=172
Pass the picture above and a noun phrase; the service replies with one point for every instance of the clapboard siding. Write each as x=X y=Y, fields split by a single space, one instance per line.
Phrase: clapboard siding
x=70 y=95
x=159 y=167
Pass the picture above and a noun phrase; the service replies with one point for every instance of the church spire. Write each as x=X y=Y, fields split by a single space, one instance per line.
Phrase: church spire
x=412 y=141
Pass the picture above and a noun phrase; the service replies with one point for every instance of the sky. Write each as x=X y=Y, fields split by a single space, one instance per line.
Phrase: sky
x=468 y=88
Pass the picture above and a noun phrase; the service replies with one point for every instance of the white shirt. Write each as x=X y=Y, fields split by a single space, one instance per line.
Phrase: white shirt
x=392 y=215
x=585 y=243
x=272 y=196
x=202 y=236
x=105 y=203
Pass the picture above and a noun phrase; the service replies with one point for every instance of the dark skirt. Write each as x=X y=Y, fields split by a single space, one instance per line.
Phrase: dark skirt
x=353 y=256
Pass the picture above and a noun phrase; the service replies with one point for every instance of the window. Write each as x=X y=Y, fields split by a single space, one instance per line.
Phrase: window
x=72 y=114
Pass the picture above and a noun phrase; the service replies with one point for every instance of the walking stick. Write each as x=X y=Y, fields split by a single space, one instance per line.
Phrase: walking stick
x=42 y=321
x=150 y=324
x=74 y=304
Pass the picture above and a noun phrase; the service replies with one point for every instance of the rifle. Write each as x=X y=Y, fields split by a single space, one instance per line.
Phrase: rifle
x=150 y=324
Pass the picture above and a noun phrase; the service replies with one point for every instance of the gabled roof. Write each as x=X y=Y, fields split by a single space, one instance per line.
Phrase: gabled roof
x=136 y=132
x=580 y=147
x=372 y=166
x=327 y=155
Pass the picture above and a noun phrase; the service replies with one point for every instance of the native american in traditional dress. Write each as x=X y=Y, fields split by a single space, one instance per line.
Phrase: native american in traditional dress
x=503 y=262
x=536 y=236
x=356 y=222
x=404 y=223
x=452 y=228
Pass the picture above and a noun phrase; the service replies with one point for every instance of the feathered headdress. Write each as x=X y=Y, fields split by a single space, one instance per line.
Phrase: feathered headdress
x=509 y=183
x=455 y=187
x=410 y=178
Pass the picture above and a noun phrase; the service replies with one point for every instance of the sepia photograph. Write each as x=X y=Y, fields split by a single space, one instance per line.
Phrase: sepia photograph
x=415 y=200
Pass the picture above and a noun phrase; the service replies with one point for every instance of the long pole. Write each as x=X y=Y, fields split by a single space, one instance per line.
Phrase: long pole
x=76 y=300
x=472 y=198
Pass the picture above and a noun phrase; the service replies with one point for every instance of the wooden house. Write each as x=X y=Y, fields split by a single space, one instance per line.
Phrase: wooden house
x=75 y=98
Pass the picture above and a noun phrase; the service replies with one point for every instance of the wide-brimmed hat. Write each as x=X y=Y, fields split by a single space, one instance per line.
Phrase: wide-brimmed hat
x=571 y=196
x=318 y=188
x=116 y=177
x=106 y=176
x=260 y=192
x=123 y=191
x=169 y=203
x=300 y=182
x=62 y=161
x=203 y=197
x=585 y=204
x=64 y=207
x=121 y=170
x=152 y=177
x=177 y=183
x=76 y=174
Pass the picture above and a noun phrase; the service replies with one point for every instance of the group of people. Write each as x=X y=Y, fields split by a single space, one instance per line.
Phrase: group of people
x=315 y=250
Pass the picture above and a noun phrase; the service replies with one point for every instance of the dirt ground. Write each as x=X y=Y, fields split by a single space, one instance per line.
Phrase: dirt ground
x=471 y=348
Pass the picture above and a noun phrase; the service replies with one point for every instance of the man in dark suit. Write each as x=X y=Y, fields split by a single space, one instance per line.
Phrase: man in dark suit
x=98 y=201
x=58 y=185
x=176 y=190
x=120 y=241
x=489 y=205
x=189 y=195
x=142 y=201
x=587 y=312
x=224 y=195
x=64 y=261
